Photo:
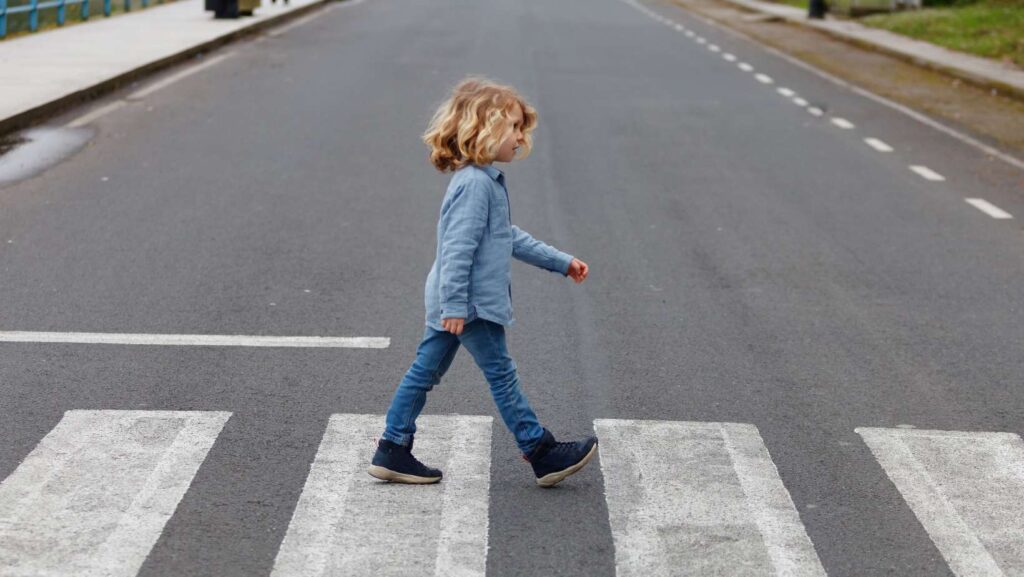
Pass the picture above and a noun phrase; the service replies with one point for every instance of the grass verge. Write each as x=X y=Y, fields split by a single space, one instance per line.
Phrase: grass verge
x=990 y=28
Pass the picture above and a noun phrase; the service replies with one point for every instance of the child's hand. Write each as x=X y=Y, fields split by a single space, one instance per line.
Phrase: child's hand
x=578 y=270
x=453 y=326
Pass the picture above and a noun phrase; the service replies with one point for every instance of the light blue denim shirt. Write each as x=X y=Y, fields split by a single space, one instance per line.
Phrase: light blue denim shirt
x=476 y=240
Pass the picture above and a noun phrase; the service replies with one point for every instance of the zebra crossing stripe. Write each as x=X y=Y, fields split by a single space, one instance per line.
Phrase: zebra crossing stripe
x=348 y=523
x=698 y=499
x=967 y=490
x=93 y=496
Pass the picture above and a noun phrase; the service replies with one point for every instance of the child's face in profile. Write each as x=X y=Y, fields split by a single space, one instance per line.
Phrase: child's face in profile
x=513 y=138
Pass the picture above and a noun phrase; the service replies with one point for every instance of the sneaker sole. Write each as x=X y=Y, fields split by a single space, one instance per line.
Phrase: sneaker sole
x=552 y=479
x=383 y=474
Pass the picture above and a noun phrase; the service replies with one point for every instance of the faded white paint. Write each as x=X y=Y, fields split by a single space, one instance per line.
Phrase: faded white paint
x=94 y=495
x=967 y=489
x=348 y=523
x=698 y=499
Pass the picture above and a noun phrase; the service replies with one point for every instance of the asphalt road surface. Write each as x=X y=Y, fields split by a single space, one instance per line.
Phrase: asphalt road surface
x=802 y=356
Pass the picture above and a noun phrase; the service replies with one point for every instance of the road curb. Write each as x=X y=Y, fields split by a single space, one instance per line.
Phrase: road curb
x=982 y=81
x=50 y=109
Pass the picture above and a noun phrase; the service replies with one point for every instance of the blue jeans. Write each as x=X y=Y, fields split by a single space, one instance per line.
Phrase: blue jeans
x=485 y=340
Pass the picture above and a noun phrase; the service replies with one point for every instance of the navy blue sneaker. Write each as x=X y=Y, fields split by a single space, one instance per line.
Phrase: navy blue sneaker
x=395 y=463
x=553 y=461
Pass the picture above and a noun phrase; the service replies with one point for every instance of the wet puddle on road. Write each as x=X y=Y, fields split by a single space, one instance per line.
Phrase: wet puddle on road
x=29 y=153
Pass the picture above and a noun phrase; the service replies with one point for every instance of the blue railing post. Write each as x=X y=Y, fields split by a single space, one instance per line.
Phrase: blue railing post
x=106 y=7
x=61 y=12
x=127 y=5
x=85 y=10
x=33 y=16
x=3 y=18
x=145 y=3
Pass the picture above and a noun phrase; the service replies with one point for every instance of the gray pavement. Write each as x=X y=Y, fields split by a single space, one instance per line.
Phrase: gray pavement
x=43 y=71
x=750 y=263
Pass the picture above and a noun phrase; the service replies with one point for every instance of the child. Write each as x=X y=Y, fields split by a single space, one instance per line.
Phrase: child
x=468 y=293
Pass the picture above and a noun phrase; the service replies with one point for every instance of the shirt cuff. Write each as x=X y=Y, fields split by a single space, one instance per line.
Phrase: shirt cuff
x=562 y=262
x=454 y=311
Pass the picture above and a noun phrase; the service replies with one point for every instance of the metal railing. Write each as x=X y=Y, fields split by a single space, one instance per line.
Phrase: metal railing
x=33 y=8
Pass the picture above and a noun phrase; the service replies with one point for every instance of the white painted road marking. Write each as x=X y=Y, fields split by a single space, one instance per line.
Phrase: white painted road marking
x=815 y=111
x=927 y=173
x=675 y=488
x=714 y=48
x=843 y=123
x=94 y=495
x=745 y=67
x=679 y=27
x=988 y=208
x=348 y=523
x=799 y=101
x=729 y=57
x=701 y=40
x=94 y=114
x=785 y=92
x=194 y=340
x=161 y=84
x=690 y=33
x=763 y=78
x=878 y=145
x=967 y=489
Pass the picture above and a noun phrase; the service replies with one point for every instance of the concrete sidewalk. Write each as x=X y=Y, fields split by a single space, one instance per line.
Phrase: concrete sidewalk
x=46 y=71
x=983 y=71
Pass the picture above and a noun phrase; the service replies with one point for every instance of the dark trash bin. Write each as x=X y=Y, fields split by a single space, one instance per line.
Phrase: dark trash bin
x=231 y=8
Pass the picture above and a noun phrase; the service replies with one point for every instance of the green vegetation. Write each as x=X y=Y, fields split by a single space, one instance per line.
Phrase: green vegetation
x=992 y=28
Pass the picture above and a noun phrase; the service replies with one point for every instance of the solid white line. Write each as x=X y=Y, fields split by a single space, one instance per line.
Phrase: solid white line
x=966 y=489
x=878 y=145
x=164 y=83
x=785 y=92
x=729 y=57
x=674 y=487
x=745 y=67
x=94 y=495
x=347 y=523
x=763 y=78
x=927 y=173
x=815 y=111
x=843 y=123
x=988 y=208
x=194 y=340
x=94 y=114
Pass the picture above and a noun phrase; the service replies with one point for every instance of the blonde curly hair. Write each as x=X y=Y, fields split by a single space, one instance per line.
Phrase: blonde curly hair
x=471 y=124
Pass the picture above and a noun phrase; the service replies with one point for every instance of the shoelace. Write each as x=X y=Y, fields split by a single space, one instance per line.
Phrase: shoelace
x=417 y=462
x=562 y=446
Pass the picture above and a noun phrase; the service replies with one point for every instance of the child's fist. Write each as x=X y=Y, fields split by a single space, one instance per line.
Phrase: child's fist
x=578 y=270
x=454 y=326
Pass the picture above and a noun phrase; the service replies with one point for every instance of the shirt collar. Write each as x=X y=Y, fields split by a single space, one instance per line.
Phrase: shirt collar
x=494 y=173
